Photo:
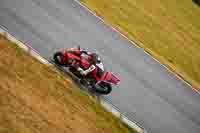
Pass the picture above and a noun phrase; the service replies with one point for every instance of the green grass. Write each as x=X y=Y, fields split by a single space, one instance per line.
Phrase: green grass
x=37 y=98
x=167 y=29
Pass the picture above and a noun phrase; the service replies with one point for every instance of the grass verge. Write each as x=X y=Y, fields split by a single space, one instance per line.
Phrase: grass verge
x=37 y=98
x=167 y=29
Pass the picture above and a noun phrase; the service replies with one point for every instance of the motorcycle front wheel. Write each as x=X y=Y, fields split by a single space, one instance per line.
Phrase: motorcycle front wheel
x=103 y=88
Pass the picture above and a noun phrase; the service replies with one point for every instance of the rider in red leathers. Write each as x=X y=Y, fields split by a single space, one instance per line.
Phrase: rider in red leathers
x=93 y=61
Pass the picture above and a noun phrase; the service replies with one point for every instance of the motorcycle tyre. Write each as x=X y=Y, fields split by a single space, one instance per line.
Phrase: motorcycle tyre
x=104 y=91
x=57 y=61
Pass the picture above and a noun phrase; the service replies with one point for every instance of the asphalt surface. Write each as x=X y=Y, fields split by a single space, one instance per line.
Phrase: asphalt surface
x=148 y=92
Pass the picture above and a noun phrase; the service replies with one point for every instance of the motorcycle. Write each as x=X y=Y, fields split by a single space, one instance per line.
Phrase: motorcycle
x=99 y=79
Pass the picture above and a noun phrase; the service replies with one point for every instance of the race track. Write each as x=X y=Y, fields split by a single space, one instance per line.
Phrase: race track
x=148 y=92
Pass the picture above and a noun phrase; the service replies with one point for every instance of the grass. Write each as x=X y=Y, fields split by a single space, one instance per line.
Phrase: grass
x=168 y=29
x=37 y=98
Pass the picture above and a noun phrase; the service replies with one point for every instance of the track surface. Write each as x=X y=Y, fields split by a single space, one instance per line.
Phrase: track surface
x=148 y=93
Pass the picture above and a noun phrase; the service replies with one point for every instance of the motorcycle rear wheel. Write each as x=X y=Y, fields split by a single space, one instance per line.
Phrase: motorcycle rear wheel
x=58 y=58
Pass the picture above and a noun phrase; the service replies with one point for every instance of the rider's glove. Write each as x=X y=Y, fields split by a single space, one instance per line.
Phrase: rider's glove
x=81 y=71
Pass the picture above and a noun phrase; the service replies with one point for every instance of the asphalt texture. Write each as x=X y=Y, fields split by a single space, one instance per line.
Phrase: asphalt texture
x=148 y=93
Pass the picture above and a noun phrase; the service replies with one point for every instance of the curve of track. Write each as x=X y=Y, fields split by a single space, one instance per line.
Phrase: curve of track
x=148 y=92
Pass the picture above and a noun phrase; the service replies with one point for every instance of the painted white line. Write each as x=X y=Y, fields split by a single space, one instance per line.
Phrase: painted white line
x=135 y=44
x=175 y=74
x=110 y=109
x=107 y=24
x=24 y=46
x=115 y=111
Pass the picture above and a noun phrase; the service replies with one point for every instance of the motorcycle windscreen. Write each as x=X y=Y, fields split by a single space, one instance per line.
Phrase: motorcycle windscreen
x=111 y=78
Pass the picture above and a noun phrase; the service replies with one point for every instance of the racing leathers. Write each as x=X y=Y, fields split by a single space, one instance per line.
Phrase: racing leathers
x=97 y=63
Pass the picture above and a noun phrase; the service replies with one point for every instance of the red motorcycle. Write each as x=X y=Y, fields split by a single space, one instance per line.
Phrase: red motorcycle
x=100 y=80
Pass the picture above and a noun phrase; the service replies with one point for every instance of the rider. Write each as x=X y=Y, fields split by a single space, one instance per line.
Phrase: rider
x=94 y=60
x=96 y=57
